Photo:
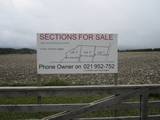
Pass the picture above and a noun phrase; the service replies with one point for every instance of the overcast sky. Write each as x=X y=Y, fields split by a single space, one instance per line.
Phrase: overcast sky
x=136 y=21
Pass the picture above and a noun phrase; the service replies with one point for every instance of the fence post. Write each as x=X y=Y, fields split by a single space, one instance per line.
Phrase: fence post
x=39 y=98
x=116 y=79
x=144 y=105
x=115 y=83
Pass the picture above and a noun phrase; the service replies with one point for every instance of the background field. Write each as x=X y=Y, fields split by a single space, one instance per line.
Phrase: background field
x=134 y=68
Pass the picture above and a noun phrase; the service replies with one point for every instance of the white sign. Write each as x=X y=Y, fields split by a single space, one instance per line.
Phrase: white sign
x=64 y=53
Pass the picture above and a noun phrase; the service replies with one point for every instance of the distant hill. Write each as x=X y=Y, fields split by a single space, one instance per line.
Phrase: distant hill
x=33 y=51
x=17 y=51
x=140 y=50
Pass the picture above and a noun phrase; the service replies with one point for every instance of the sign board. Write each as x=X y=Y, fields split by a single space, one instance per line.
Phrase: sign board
x=65 y=53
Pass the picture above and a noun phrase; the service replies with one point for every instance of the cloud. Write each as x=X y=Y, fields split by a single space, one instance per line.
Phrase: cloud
x=136 y=22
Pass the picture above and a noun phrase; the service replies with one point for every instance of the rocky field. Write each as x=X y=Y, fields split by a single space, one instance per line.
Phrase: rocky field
x=134 y=68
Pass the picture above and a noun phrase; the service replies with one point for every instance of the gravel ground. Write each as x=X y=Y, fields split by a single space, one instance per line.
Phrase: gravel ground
x=134 y=68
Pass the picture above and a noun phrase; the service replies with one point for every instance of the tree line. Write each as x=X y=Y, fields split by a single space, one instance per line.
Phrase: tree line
x=17 y=51
x=33 y=51
x=140 y=50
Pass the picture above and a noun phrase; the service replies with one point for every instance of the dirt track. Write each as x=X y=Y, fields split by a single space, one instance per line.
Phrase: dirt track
x=134 y=68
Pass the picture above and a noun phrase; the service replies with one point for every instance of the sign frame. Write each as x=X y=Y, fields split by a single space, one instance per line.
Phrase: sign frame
x=49 y=43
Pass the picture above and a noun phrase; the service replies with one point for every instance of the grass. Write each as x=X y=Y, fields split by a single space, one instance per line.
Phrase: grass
x=154 y=96
x=23 y=116
x=67 y=99
x=50 y=100
x=111 y=113
x=46 y=100
x=55 y=83
x=101 y=113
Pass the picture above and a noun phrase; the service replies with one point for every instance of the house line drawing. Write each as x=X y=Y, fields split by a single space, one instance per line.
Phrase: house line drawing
x=87 y=53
